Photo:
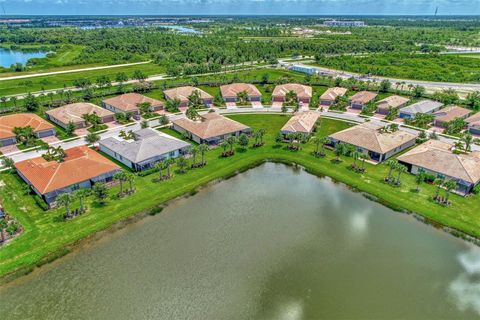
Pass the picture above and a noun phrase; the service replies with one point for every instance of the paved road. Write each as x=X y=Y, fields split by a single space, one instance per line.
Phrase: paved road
x=32 y=75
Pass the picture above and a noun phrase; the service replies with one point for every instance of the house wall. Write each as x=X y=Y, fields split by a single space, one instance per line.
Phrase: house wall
x=356 y=105
x=462 y=186
x=45 y=133
x=115 y=110
x=474 y=130
x=8 y=141
x=80 y=124
x=326 y=102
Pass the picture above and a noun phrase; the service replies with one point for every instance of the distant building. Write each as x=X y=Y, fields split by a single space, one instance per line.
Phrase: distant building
x=344 y=23
x=361 y=99
x=230 y=91
x=328 y=97
x=392 y=102
x=303 y=69
x=212 y=128
x=445 y=115
x=81 y=168
x=41 y=127
x=148 y=147
x=302 y=122
x=129 y=102
x=304 y=93
x=73 y=113
x=182 y=94
x=369 y=138
x=424 y=106
x=437 y=158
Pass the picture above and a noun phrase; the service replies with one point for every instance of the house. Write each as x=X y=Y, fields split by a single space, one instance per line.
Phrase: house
x=303 y=69
x=182 y=94
x=328 y=97
x=81 y=168
x=230 y=91
x=303 y=122
x=360 y=99
x=392 y=102
x=148 y=147
x=424 y=106
x=41 y=127
x=445 y=115
x=436 y=158
x=212 y=128
x=74 y=113
x=304 y=93
x=374 y=140
x=473 y=123
x=129 y=102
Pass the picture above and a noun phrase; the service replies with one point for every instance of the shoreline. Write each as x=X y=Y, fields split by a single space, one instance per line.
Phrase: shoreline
x=18 y=273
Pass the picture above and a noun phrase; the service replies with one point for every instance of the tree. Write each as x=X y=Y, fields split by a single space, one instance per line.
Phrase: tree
x=65 y=200
x=92 y=138
x=192 y=113
x=8 y=163
x=182 y=164
x=385 y=85
x=467 y=139
x=218 y=101
x=81 y=194
x=195 y=100
x=243 y=140
x=121 y=77
x=159 y=166
x=203 y=148
x=438 y=183
x=14 y=101
x=4 y=100
x=100 y=192
x=30 y=102
x=120 y=176
x=70 y=129
x=449 y=186
x=355 y=156
x=194 y=151
x=26 y=135
x=364 y=157
x=173 y=105
x=130 y=178
x=145 y=108
x=419 y=178
x=139 y=75
x=392 y=164
x=473 y=100
x=284 y=109
x=418 y=91
x=231 y=143
x=339 y=150
x=400 y=169
x=318 y=142
x=242 y=98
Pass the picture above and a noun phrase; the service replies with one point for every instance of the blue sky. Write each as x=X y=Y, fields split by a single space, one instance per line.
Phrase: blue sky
x=232 y=7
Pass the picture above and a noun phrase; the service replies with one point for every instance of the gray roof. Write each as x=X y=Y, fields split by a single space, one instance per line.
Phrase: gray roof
x=148 y=143
x=425 y=106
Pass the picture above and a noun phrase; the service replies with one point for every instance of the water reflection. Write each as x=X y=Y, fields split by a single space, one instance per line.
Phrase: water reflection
x=465 y=289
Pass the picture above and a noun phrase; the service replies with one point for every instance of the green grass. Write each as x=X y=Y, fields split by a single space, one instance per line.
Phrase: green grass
x=44 y=237
x=58 y=81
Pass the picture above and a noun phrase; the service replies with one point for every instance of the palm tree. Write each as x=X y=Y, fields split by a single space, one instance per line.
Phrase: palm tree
x=121 y=177
x=159 y=166
x=339 y=150
x=168 y=163
x=355 y=156
x=8 y=163
x=392 y=164
x=231 y=142
x=194 y=151
x=224 y=145
x=439 y=183
x=467 y=140
x=419 y=178
x=65 y=200
x=92 y=138
x=203 y=148
x=14 y=101
x=81 y=194
x=400 y=169
x=182 y=164
x=318 y=142
x=364 y=157
x=130 y=177
x=449 y=186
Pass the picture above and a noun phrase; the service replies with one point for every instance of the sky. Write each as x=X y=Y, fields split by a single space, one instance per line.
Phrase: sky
x=236 y=7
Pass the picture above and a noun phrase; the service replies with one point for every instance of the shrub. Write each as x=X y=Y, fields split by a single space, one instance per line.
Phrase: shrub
x=41 y=203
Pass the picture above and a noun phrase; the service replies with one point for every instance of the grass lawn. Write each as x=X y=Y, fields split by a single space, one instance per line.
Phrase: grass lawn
x=44 y=237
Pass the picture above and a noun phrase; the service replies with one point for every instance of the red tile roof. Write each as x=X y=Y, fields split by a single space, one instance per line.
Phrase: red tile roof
x=8 y=123
x=128 y=102
x=80 y=164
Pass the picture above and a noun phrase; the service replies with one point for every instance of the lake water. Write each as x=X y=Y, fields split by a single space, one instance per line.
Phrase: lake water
x=9 y=57
x=271 y=243
x=181 y=29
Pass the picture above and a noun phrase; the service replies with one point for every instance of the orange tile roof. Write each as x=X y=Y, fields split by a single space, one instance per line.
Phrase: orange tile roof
x=473 y=120
x=8 y=123
x=128 y=102
x=74 y=112
x=182 y=93
x=301 y=90
x=451 y=113
x=392 y=102
x=80 y=164
x=303 y=122
x=363 y=97
x=232 y=90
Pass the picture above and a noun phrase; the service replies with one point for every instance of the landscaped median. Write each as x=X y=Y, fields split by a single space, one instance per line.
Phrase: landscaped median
x=46 y=237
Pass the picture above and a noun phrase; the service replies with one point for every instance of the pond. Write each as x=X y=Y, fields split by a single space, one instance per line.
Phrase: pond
x=270 y=243
x=9 y=57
